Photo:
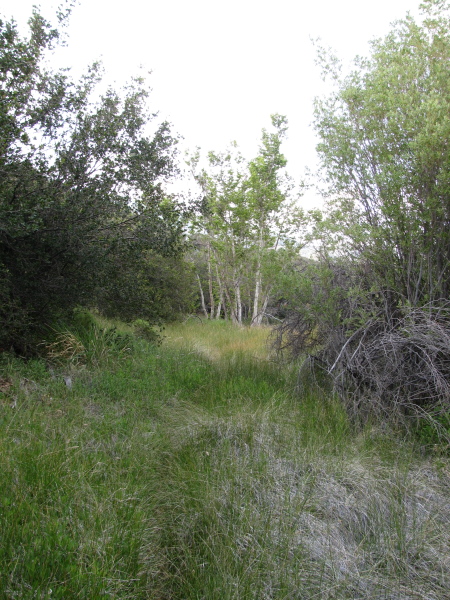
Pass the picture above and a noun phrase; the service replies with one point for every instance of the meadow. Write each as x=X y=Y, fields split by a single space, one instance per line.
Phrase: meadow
x=201 y=469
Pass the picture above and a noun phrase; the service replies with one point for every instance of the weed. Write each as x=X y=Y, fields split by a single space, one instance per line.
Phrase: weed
x=86 y=342
x=433 y=431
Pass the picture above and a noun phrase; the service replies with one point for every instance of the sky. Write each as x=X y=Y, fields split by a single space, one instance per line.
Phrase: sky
x=220 y=69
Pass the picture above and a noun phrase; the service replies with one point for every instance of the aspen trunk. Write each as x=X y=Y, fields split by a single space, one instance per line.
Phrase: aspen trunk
x=256 y=299
x=237 y=292
x=202 y=296
x=237 y=287
x=221 y=296
x=258 y=281
x=225 y=311
x=230 y=304
x=210 y=282
x=238 y=299
x=223 y=293
x=262 y=312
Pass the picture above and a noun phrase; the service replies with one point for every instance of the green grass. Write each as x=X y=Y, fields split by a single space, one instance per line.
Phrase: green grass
x=195 y=470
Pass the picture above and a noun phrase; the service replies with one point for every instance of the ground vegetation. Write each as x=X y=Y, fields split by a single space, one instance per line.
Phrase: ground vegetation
x=196 y=469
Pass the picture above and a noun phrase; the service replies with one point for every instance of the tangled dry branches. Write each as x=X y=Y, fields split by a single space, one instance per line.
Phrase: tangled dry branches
x=398 y=365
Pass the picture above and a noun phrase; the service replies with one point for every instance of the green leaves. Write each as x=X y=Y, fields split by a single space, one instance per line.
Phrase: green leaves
x=81 y=187
x=249 y=224
x=384 y=148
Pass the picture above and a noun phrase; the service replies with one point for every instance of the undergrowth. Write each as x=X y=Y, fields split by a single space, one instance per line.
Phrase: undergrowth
x=196 y=470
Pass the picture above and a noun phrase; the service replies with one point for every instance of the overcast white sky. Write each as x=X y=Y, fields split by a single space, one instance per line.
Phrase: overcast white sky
x=219 y=69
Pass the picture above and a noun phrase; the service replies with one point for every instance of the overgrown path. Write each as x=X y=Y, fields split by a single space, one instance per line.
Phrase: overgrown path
x=196 y=471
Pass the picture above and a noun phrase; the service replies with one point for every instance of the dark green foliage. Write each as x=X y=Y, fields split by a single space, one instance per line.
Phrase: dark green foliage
x=435 y=432
x=81 y=195
x=145 y=330
x=146 y=285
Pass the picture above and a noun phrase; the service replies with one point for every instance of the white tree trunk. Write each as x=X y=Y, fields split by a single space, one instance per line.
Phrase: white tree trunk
x=256 y=298
x=262 y=312
x=236 y=286
x=202 y=296
x=221 y=296
x=237 y=292
x=210 y=282
x=258 y=280
x=230 y=303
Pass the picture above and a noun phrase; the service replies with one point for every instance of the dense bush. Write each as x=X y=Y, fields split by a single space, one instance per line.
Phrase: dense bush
x=81 y=191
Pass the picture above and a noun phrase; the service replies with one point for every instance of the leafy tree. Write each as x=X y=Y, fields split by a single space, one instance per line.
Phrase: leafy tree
x=224 y=226
x=249 y=225
x=81 y=188
x=273 y=216
x=375 y=314
x=384 y=147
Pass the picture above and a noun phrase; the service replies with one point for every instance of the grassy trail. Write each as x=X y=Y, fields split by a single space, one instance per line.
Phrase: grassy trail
x=195 y=470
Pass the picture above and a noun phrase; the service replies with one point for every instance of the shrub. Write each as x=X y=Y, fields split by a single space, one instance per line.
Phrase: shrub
x=146 y=331
x=77 y=219
x=381 y=355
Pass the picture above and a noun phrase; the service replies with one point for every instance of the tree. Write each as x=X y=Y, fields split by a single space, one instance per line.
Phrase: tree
x=81 y=187
x=382 y=334
x=384 y=147
x=271 y=214
x=248 y=224
x=222 y=229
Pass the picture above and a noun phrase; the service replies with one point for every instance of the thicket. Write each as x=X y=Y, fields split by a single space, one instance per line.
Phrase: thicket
x=84 y=218
x=373 y=313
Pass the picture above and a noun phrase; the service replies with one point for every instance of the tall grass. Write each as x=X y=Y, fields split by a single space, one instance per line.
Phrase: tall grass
x=195 y=470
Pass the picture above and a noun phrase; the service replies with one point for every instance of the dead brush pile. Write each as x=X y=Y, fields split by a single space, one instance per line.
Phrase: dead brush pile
x=396 y=364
